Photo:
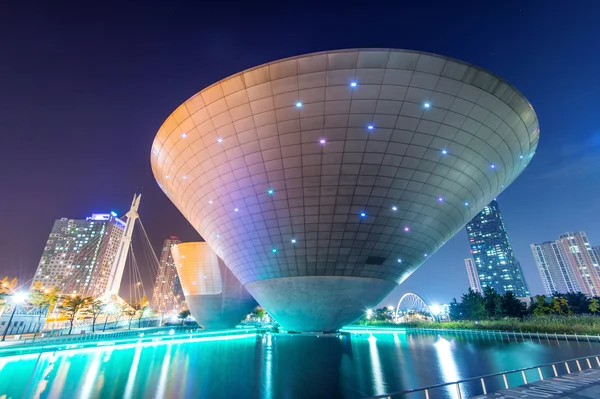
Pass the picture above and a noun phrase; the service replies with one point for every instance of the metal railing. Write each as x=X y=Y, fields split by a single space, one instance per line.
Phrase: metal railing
x=483 y=381
x=508 y=334
x=514 y=334
x=112 y=335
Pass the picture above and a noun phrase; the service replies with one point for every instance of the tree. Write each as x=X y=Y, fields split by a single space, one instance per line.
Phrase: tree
x=259 y=313
x=578 y=302
x=72 y=305
x=493 y=303
x=594 y=305
x=560 y=306
x=512 y=306
x=142 y=307
x=473 y=305
x=540 y=306
x=95 y=309
x=184 y=314
x=43 y=299
x=121 y=311
x=130 y=313
x=455 y=310
x=7 y=286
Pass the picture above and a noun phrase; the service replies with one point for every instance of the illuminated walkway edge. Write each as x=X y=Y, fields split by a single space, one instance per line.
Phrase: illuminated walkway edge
x=126 y=343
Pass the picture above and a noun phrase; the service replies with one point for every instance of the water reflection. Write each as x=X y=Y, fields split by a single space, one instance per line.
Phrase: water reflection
x=90 y=377
x=443 y=350
x=376 y=366
x=133 y=372
x=276 y=366
x=268 y=365
x=162 y=381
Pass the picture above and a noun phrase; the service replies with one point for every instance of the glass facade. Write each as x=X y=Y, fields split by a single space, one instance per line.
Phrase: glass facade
x=493 y=254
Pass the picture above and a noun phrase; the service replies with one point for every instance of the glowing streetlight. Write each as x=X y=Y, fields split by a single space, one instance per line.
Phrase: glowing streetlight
x=435 y=310
x=19 y=298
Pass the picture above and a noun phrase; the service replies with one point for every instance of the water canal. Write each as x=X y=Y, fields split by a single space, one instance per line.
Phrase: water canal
x=276 y=366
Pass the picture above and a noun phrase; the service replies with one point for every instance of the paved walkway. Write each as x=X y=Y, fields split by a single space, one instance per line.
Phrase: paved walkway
x=582 y=385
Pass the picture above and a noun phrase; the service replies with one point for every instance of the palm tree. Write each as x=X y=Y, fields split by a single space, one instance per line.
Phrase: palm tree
x=141 y=307
x=95 y=308
x=43 y=299
x=72 y=305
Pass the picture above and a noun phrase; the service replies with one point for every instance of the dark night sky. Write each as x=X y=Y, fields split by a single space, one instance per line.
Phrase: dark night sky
x=84 y=88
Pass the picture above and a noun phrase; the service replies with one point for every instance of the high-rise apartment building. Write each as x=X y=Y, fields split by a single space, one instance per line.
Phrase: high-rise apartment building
x=569 y=264
x=556 y=271
x=79 y=255
x=167 y=294
x=493 y=254
x=473 y=275
x=596 y=250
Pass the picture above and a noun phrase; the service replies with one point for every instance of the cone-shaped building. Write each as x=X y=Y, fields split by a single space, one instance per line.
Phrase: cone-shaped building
x=324 y=180
x=215 y=297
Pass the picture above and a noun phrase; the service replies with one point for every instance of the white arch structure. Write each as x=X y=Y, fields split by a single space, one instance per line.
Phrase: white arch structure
x=412 y=301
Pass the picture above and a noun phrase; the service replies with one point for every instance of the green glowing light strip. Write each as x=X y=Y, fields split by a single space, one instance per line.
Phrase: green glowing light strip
x=374 y=330
x=134 y=342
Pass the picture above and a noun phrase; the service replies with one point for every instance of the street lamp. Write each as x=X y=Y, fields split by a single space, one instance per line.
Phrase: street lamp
x=435 y=310
x=17 y=299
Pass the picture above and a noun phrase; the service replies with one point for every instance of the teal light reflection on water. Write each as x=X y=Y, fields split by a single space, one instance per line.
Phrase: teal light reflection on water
x=276 y=366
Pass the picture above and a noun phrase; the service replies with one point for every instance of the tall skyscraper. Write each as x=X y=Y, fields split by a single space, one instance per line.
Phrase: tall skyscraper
x=556 y=270
x=493 y=254
x=596 y=250
x=473 y=275
x=167 y=294
x=569 y=264
x=80 y=254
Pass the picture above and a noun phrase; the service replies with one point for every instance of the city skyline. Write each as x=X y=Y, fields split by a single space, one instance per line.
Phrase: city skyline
x=568 y=149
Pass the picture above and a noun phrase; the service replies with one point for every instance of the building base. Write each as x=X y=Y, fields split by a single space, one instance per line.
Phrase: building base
x=219 y=312
x=224 y=310
x=319 y=303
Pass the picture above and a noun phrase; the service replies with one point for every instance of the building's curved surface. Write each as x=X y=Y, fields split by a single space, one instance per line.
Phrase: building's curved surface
x=325 y=180
x=215 y=297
